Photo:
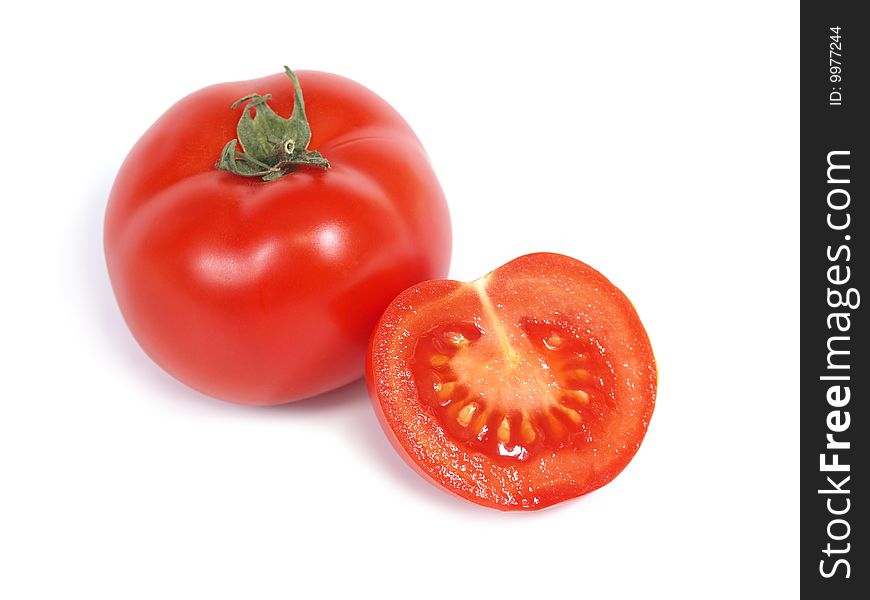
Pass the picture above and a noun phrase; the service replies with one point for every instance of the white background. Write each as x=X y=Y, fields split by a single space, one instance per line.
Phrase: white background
x=657 y=142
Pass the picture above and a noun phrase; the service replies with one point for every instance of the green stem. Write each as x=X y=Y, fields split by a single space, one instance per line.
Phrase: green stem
x=272 y=146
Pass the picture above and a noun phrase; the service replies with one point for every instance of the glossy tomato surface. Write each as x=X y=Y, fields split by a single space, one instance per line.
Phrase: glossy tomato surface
x=266 y=292
x=527 y=387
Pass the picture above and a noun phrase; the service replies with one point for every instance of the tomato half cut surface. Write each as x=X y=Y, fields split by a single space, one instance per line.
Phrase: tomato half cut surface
x=532 y=385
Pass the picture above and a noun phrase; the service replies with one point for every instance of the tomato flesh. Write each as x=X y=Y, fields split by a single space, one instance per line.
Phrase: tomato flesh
x=542 y=392
x=530 y=386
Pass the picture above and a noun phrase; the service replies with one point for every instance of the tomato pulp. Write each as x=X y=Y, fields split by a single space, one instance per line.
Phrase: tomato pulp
x=530 y=386
x=266 y=291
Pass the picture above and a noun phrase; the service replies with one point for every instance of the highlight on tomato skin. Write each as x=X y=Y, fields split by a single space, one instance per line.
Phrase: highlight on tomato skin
x=530 y=386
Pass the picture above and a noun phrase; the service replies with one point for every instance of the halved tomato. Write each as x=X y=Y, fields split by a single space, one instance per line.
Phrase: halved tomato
x=527 y=387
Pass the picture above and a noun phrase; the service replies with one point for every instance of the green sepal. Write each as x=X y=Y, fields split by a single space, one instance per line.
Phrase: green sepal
x=271 y=146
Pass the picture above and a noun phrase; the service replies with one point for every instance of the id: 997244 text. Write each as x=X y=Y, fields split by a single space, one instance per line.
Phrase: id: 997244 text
x=835 y=67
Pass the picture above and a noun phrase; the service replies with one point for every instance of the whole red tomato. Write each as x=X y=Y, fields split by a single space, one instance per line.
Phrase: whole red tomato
x=251 y=255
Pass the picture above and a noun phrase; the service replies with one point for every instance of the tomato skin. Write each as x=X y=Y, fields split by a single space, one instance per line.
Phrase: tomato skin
x=539 y=285
x=266 y=292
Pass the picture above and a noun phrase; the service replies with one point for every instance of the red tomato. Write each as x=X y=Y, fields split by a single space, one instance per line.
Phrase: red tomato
x=263 y=292
x=530 y=386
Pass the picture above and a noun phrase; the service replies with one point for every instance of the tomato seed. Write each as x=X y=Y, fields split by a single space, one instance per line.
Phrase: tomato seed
x=439 y=360
x=504 y=430
x=466 y=414
x=553 y=342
